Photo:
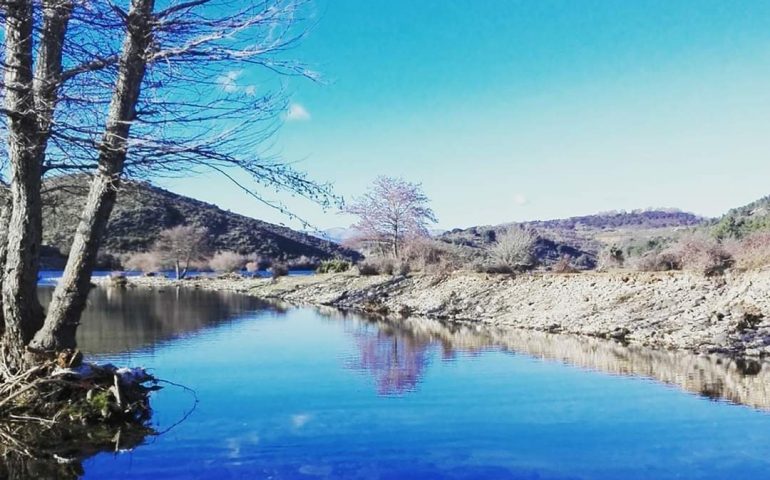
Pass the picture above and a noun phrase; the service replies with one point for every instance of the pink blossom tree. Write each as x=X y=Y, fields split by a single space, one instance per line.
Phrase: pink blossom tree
x=392 y=211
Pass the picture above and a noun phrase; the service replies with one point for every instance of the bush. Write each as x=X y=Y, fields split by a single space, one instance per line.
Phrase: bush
x=380 y=266
x=426 y=254
x=227 y=262
x=252 y=267
x=144 y=262
x=279 y=270
x=333 y=266
x=752 y=252
x=610 y=258
x=303 y=263
x=658 y=261
x=367 y=268
x=702 y=253
x=403 y=268
x=514 y=250
x=564 y=265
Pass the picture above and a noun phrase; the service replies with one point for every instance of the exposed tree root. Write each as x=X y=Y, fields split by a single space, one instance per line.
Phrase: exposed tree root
x=61 y=411
x=67 y=390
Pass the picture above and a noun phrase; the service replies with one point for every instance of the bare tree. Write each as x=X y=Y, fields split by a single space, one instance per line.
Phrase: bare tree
x=392 y=211
x=180 y=246
x=110 y=89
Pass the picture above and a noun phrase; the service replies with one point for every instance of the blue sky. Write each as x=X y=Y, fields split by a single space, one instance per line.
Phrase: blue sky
x=513 y=110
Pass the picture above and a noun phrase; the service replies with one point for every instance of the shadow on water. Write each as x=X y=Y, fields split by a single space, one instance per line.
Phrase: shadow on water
x=51 y=452
x=396 y=353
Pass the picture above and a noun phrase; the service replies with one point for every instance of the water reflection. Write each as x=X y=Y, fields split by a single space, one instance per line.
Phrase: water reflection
x=49 y=452
x=395 y=358
x=396 y=352
x=114 y=321
x=123 y=320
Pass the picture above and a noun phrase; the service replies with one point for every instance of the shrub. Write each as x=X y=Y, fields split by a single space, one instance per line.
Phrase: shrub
x=227 y=262
x=335 y=265
x=514 y=250
x=564 y=265
x=427 y=254
x=752 y=252
x=610 y=257
x=303 y=263
x=658 y=261
x=279 y=270
x=367 y=268
x=144 y=262
x=702 y=253
x=252 y=267
x=403 y=268
x=377 y=266
x=386 y=266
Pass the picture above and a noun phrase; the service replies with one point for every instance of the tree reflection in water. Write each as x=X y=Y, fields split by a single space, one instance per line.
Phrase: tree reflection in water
x=397 y=352
x=396 y=360
x=120 y=320
x=396 y=357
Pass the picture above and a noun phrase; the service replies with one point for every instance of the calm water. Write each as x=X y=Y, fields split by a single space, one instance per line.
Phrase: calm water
x=303 y=394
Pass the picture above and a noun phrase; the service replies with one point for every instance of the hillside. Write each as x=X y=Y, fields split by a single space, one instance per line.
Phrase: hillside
x=584 y=236
x=143 y=211
x=742 y=221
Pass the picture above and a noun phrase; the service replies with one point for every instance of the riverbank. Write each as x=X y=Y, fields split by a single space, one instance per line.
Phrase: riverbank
x=668 y=310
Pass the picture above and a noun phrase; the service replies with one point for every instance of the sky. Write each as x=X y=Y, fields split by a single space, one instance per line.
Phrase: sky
x=510 y=110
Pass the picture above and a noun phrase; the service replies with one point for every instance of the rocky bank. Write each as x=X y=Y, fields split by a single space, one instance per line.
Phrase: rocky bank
x=667 y=310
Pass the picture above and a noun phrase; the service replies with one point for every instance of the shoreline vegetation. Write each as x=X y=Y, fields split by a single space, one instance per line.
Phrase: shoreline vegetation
x=727 y=314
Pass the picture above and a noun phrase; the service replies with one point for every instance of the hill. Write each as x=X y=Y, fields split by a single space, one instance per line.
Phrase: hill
x=143 y=211
x=742 y=221
x=583 y=237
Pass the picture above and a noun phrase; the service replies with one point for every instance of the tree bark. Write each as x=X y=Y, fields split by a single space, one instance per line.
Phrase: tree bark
x=48 y=73
x=71 y=293
x=5 y=218
x=21 y=309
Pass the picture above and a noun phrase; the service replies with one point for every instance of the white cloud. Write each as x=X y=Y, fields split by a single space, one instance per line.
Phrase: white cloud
x=250 y=90
x=520 y=199
x=297 y=113
x=228 y=81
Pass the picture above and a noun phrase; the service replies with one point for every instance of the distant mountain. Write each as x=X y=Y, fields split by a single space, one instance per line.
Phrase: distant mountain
x=337 y=234
x=639 y=219
x=143 y=211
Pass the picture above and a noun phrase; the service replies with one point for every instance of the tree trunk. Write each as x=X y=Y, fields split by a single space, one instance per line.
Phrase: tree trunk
x=22 y=312
x=5 y=217
x=72 y=291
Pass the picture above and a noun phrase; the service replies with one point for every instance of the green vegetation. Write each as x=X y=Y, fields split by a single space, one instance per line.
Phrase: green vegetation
x=743 y=221
x=335 y=265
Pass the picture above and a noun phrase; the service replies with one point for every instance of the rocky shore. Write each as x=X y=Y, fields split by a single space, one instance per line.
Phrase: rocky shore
x=668 y=310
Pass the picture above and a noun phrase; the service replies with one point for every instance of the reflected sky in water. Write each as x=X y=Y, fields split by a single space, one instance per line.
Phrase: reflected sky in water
x=307 y=394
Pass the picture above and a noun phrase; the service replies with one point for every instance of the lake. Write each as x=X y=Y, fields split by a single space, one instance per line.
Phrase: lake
x=287 y=393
